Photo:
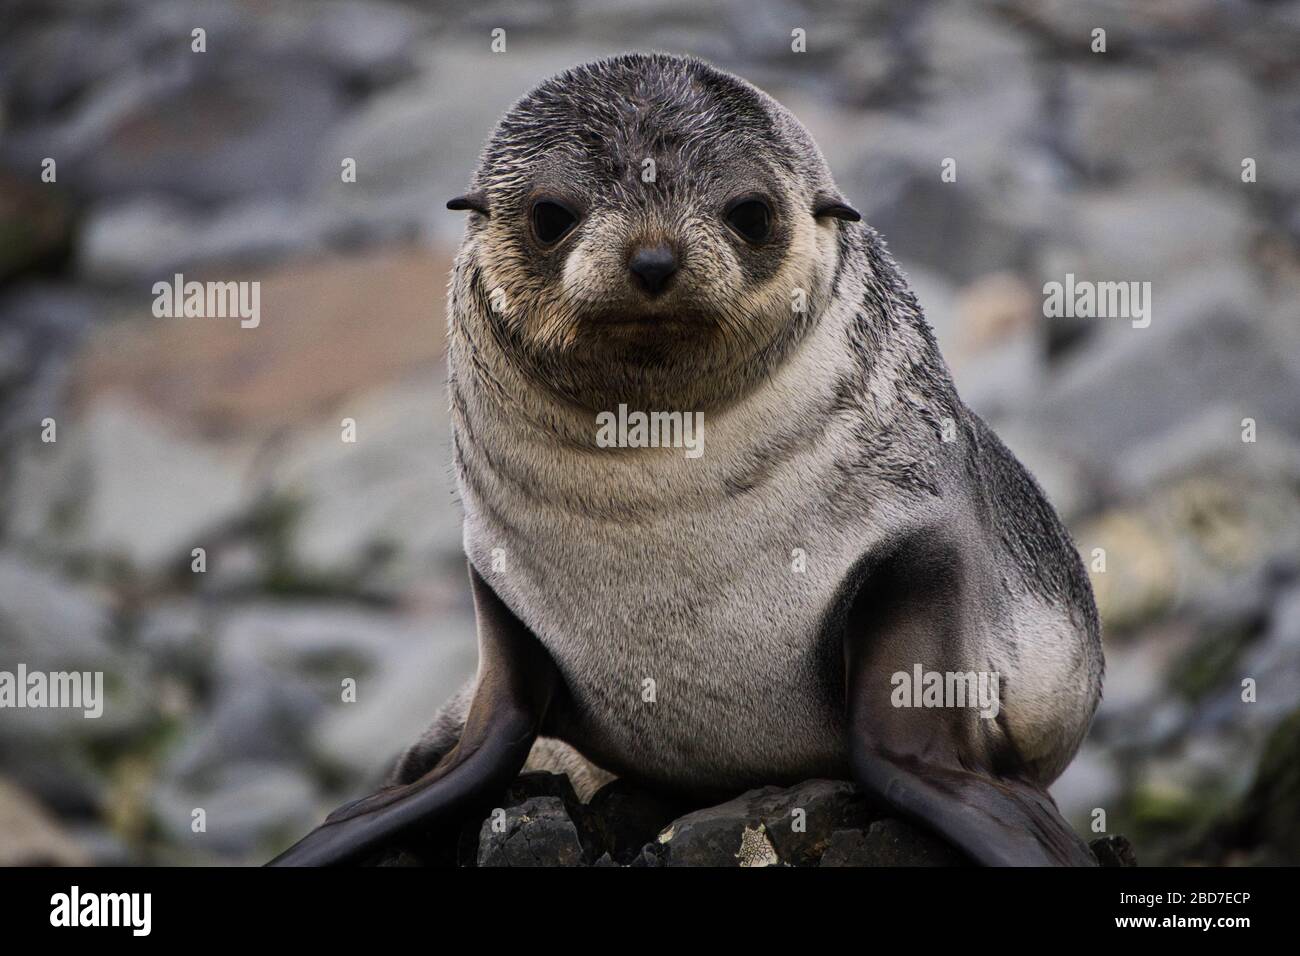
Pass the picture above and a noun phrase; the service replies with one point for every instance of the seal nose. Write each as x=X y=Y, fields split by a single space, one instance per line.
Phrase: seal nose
x=652 y=267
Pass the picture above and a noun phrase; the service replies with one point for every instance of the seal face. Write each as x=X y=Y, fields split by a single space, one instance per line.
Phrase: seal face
x=645 y=220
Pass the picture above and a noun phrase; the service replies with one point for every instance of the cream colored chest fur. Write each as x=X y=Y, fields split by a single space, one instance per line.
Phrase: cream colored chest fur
x=689 y=634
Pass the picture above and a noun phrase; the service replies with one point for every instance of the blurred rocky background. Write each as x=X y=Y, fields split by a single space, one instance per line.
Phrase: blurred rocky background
x=328 y=560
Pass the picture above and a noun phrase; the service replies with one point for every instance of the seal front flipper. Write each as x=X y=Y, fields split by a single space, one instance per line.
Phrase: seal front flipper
x=516 y=682
x=946 y=767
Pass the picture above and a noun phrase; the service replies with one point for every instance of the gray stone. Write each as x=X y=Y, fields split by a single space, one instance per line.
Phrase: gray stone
x=121 y=484
x=396 y=702
x=254 y=719
x=249 y=808
x=1151 y=230
x=361 y=42
x=946 y=227
x=390 y=490
x=1140 y=384
x=241 y=127
x=40 y=324
x=1201 y=115
x=415 y=146
x=404 y=667
x=150 y=238
x=49 y=623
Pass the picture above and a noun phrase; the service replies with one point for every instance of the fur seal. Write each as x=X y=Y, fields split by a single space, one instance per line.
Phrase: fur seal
x=648 y=231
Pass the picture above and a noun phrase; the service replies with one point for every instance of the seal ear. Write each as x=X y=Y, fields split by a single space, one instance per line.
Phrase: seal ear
x=475 y=201
x=835 y=208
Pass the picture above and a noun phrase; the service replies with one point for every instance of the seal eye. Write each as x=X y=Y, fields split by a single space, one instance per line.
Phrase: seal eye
x=551 y=221
x=751 y=218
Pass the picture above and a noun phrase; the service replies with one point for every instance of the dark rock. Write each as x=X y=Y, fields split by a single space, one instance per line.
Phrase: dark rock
x=847 y=848
x=36 y=222
x=540 y=822
x=942 y=226
x=768 y=826
x=651 y=854
x=627 y=818
x=889 y=843
x=1113 y=851
x=1263 y=829
x=537 y=832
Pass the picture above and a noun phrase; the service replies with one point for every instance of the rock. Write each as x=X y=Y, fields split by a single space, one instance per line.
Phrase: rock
x=388 y=494
x=101 y=846
x=651 y=855
x=537 y=832
x=36 y=223
x=540 y=822
x=149 y=238
x=321 y=340
x=1199 y=115
x=1000 y=382
x=370 y=43
x=50 y=623
x=415 y=146
x=877 y=71
x=31 y=836
x=1113 y=851
x=994 y=309
x=1091 y=780
x=742 y=831
x=969 y=49
x=403 y=666
x=1273 y=661
x=249 y=807
x=1154 y=230
x=889 y=843
x=943 y=226
x=233 y=129
x=40 y=325
x=177 y=635
x=121 y=485
x=1208 y=441
x=1139 y=579
x=397 y=699
x=627 y=818
x=1259 y=828
x=255 y=719
x=1198 y=542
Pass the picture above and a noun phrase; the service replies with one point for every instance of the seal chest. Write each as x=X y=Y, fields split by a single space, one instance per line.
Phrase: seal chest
x=690 y=651
x=683 y=600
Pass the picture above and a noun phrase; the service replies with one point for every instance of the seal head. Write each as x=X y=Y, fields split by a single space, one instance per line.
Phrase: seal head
x=650 y=229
